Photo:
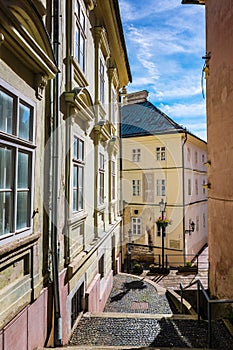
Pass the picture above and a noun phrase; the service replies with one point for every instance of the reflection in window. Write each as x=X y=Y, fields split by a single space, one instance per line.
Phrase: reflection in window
x=16 y=120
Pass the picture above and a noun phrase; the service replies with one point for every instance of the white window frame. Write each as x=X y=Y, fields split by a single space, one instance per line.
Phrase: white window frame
x=136 y=224
x=161 y=153
x=161 y=187
x=136 y=155
x=78 y=174
x=17 y=143
x=136 y=187
x=80 y=36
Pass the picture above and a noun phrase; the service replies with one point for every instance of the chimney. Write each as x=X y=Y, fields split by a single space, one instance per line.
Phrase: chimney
x=136 y=97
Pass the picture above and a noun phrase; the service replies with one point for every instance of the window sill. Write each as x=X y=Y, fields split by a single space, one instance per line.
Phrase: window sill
x=77 y=217
x=101 y=208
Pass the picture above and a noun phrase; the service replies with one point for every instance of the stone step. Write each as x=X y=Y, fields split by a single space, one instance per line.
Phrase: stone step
x=139 y=315
x=148 y=332
x=119 y=348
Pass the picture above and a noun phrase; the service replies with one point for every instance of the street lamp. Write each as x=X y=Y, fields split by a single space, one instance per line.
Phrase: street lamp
x=191 y=227
x=129 y=250
x=162 y=206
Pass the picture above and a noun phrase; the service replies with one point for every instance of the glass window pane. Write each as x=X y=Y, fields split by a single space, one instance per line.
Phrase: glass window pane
x=82 y=20
x=75 y=148
x=5 y=212
x=22 y=210
x=80 y=150
x=77 y=33
x=24 y=121
x=23 y=168
x=74 y=200
x=5 y=168
x=6 y=112
x=75 y=177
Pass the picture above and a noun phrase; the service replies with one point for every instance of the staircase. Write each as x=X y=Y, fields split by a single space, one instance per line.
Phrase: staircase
x=147 y=331
x=138 y=315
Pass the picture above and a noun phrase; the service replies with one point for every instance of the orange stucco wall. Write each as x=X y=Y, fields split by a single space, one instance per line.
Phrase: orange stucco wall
x=219 y=27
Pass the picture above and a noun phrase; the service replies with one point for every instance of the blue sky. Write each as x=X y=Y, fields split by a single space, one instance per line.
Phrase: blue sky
x=165 y=42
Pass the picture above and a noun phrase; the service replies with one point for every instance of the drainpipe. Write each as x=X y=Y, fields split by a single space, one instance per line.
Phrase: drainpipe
x=183 y=179
x=55 y=180
x=121 y=95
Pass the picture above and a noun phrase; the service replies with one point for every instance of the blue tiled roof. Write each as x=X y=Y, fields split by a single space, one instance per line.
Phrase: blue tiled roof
x=144 y=118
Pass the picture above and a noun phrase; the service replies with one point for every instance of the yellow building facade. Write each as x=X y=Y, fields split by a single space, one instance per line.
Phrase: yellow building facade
x=161 y=160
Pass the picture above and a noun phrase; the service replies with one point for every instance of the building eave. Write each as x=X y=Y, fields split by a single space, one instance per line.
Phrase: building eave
x=193 y=2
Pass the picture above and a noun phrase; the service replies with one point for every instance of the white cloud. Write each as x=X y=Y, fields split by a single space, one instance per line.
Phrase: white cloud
x=165 y=43
x=184 y=111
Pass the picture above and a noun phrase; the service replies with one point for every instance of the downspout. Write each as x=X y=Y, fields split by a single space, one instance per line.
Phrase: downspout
x=183 y=183
x=55 y=180
x=121 y=204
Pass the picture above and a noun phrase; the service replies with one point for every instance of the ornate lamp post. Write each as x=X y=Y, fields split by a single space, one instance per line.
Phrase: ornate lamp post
x=129 y=250
x=162 y=206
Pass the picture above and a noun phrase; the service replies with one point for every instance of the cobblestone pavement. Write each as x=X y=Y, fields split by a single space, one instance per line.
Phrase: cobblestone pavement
x=132 y=295
x=149 y=332
x=129 y=320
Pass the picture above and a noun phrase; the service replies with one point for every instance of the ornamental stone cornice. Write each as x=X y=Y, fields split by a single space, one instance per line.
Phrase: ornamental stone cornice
x=24 y=35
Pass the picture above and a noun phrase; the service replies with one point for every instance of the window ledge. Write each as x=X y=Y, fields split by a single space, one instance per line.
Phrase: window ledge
x=18 y=244
x=77 y=217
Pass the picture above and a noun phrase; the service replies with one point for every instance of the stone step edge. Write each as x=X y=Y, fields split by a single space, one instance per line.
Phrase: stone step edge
x=80 y=347
x=138 y=315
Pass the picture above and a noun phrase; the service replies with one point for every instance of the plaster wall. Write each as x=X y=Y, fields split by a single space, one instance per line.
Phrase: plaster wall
x=219 y=35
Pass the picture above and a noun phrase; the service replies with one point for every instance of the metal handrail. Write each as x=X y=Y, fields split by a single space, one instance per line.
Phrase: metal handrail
x=209 y=303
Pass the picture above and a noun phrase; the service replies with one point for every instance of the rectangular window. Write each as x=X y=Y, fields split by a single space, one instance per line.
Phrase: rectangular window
x=16 y=157
x=136 y=226
x=136 y=184
x=148 y=185
x=101 y=76
x=80 y=36
x=189 y=187
x=101 y=178
x=114 y=107
x=204 y=220
x=136 y=155
x=77 y=304
x=196 y=157
x=196 y=186
x=160 y=153
x=101 y=266
x=78 y=174
x=161 y=187
x=197 y=223
x=113 y=180
x=188 y=155
x=203 y=186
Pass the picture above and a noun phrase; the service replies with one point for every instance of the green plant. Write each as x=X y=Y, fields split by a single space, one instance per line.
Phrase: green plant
x=188 y=263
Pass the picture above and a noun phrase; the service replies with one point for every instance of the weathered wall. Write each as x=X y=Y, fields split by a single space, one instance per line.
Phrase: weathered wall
x=219 y=17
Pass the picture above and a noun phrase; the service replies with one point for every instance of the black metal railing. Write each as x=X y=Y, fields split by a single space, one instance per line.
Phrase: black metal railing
x=210 y=302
